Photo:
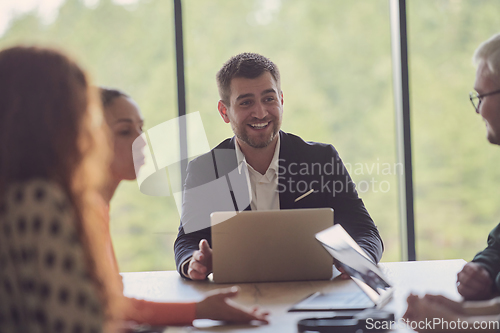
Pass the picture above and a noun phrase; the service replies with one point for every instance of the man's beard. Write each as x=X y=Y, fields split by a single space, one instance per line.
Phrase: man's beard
x=242 y=134
x=491 y=135
x=493 y=139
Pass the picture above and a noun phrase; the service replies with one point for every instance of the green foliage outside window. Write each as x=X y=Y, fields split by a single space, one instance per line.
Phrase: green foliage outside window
x=335 y=61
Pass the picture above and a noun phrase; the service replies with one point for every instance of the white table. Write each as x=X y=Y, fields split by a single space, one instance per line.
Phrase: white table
x=419 y=277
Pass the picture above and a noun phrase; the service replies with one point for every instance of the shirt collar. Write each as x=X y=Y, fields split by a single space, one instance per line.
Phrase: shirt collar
x=274 y=165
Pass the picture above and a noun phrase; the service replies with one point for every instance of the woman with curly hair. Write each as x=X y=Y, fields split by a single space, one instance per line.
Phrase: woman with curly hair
x=53 y=148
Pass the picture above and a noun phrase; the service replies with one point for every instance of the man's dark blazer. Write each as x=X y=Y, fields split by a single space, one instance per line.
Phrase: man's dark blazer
x=302 y=166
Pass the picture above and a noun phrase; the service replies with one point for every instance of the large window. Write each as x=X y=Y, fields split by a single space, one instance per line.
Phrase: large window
x=455 y=168
x=335 y=62
x=130 y=47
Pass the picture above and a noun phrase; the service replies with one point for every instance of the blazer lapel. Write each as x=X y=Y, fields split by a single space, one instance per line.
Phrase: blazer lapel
x=225 y=158
x=286 y=157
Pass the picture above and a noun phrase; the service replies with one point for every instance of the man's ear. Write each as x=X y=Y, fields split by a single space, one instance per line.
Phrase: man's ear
x=223 y=111
x=281 y=97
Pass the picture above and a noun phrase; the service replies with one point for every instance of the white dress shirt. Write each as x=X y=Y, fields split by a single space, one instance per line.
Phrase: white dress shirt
x=264 y=188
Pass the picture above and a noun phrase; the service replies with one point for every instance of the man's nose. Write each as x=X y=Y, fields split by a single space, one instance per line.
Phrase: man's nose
x=260 y=111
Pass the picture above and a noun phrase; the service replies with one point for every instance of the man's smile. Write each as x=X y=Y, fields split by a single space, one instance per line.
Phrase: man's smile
x=259 y=126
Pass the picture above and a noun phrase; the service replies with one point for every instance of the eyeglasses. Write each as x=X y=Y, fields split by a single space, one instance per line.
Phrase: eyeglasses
x=476 y=98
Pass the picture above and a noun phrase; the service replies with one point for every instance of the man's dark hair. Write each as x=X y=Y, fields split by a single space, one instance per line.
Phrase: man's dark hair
x=246 y=65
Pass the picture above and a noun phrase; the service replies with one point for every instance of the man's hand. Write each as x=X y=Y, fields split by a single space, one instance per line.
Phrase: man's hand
x=343 y=274
x=217 y=306
x=474 y=282
x=440 y=300
x=201 y=262
x=425 y=309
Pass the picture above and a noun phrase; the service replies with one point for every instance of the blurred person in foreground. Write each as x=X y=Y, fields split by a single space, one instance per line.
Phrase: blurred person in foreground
x=480 y=278
x=53 y=149
x=125 y=122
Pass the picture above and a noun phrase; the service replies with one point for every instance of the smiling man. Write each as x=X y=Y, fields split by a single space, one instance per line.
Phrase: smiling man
x=281 y=171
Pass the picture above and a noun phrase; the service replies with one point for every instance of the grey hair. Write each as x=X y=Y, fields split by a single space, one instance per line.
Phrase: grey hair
x=489 y=51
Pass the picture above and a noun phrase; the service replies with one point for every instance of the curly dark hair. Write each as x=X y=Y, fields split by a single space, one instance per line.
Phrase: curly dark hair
x=246 y=65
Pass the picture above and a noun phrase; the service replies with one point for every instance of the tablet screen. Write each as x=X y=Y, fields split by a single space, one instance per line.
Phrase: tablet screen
x=355 y=262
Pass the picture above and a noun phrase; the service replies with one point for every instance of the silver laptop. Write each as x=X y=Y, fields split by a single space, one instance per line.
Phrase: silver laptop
x=265 y=246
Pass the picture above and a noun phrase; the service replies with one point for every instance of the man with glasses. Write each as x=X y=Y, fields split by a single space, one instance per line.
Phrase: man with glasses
x=487 y=104
x=480 y=279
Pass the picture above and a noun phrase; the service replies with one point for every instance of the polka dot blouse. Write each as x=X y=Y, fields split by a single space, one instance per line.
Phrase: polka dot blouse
x=44 y=281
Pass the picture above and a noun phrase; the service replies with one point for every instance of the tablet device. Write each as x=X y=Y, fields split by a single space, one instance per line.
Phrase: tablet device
x=373 y=289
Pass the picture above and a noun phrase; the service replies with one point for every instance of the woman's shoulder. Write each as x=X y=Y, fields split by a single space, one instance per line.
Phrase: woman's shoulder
x=38 y=208
x=34 y=190
x=39 y=232
x=34 y=194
